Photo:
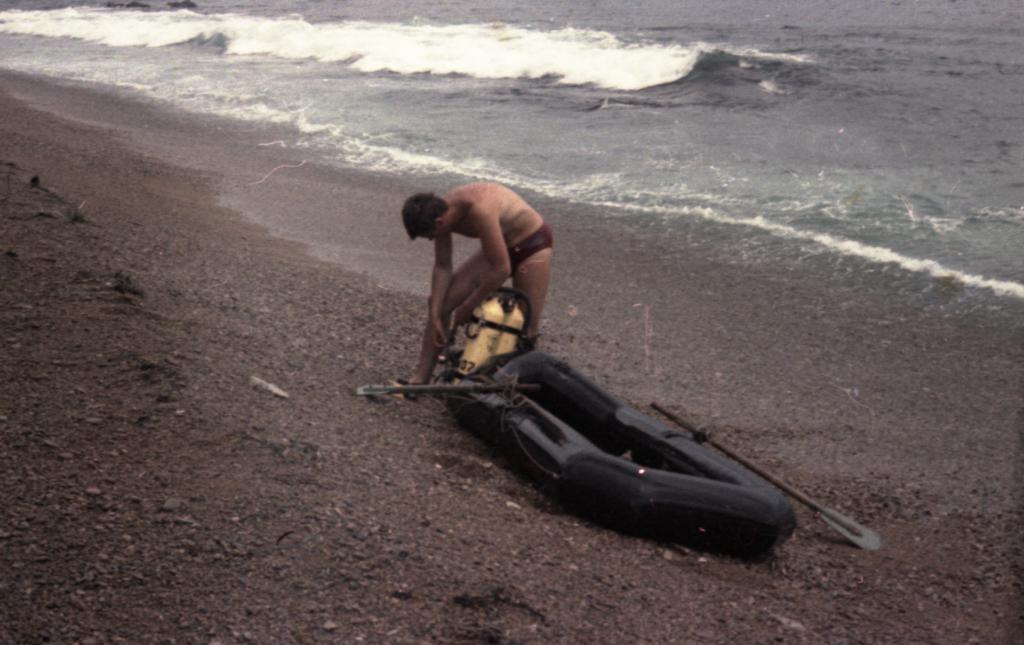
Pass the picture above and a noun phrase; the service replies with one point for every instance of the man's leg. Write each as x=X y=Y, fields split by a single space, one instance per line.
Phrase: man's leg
x=532 y=278
x=463 y=283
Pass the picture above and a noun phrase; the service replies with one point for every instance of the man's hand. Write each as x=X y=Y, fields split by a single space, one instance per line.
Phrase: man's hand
x=440 y=332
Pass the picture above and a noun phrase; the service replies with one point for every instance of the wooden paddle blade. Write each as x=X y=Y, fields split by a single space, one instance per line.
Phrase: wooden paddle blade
x=859 y=535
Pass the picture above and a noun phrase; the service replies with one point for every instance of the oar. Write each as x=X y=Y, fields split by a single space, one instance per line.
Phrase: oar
x=444 y=388
x=862 y=536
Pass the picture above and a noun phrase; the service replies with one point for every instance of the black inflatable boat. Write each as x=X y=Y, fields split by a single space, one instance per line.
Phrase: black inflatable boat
x=619 y=467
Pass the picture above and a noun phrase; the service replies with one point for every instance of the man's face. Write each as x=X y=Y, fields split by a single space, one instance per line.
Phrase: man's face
x=438 y=223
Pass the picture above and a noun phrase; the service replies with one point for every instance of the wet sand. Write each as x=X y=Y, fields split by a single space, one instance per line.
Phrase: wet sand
x=326 y=517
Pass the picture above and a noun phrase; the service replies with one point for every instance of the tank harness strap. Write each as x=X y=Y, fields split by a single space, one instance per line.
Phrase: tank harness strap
x=500 y=327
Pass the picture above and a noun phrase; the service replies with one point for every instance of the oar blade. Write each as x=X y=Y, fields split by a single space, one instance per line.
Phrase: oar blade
x=859 y=535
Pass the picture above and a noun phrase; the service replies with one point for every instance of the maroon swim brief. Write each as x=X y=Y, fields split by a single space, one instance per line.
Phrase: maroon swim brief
x=541 y=239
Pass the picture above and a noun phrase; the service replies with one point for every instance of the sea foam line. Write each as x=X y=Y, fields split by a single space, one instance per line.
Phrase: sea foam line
x=399 y=160
x=875 y=254
x=490 y=51
x=852 y=248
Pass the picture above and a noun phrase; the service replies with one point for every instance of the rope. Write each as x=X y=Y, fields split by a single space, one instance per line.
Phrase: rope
x=517 y=403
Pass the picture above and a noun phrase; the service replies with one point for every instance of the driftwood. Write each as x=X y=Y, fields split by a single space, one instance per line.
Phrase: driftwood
x=256 y=381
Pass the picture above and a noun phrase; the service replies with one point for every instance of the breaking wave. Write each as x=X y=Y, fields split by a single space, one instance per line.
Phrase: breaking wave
x=488 y=51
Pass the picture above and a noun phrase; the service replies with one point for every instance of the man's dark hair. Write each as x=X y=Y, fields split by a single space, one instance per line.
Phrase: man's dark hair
x=420 y=212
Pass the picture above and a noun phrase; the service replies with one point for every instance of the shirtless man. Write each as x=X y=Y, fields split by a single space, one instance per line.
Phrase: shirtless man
x=514 y=240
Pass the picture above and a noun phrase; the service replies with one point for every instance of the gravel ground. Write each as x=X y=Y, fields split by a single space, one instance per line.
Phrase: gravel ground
x=153 y=494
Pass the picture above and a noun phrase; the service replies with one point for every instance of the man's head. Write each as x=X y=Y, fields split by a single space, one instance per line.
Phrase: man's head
x=420 y=214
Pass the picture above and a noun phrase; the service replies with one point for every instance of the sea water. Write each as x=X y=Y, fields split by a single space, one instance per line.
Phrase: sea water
x=880 y=143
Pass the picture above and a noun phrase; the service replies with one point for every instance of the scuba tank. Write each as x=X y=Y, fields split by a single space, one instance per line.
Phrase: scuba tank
x=498 y=328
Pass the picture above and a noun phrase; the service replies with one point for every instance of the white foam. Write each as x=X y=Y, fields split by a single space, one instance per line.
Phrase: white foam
x=1008 y=214
x=389 y=159
x=575 y=56
x=757 y=54
x=943 y=225
x=571 y=56
x=605 y=191
x=885 y=256
x=871 y=253
x=771 y=87
x=113 y=28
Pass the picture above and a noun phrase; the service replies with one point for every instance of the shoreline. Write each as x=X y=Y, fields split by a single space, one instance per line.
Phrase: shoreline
x=907 y=422
x=291 y=192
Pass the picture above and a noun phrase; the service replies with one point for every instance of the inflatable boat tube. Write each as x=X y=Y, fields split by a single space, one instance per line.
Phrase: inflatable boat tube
x=621 y=468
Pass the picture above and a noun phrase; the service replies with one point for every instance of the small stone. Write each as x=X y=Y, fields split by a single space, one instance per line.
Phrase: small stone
x=172 y=504
x=330 y=626
x=668 y=555
x=790 y=623
x=92 y=491
x=513 y=505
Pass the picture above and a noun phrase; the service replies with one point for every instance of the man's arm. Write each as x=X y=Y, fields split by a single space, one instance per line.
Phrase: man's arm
x=440 y=279
x=492 y=244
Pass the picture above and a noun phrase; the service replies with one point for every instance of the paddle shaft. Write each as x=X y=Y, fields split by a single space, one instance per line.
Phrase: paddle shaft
x=446 y=388
x=791 y=490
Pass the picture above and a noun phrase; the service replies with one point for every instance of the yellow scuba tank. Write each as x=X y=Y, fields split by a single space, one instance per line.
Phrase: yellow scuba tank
x=498 y=326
